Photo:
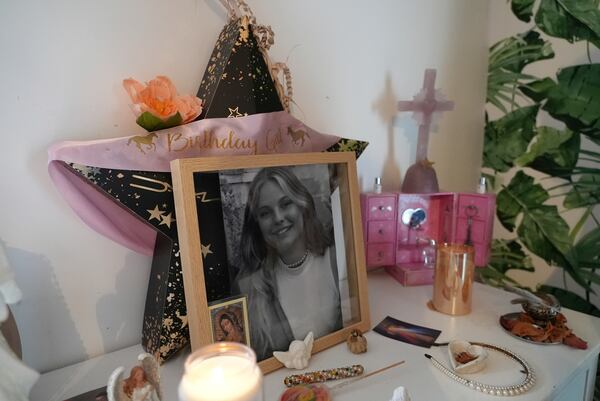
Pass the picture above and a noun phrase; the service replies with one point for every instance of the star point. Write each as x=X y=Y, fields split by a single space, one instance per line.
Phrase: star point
x=205 y=250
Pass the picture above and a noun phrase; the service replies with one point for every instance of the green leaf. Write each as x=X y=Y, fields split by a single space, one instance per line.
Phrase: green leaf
x=553 y=152
x=538 y=90
x=507 y=58
x=576 y=99
x=572 y=20
x=585 y=192
x=151 y=123
x=588 y=249
x=523 y=9
x=542 y=230
x=505 y=255
x=515 y=52
x=522 y=188
x=571 y=300
x=507 y=138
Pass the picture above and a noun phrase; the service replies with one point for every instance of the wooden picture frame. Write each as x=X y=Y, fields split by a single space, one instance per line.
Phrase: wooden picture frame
x=340 y=214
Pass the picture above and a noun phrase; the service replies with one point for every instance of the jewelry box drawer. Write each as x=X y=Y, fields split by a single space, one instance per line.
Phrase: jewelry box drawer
x=380 y=254
x=381 y=231
x=381 y=208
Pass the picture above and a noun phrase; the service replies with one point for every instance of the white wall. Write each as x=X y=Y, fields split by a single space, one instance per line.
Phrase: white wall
x=61 y=68
x=503 y=24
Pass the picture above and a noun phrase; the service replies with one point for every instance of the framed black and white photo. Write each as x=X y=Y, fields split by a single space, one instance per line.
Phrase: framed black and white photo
x=283 y=233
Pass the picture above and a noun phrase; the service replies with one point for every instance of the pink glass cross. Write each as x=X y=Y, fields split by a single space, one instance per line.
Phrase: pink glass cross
x=424 y=104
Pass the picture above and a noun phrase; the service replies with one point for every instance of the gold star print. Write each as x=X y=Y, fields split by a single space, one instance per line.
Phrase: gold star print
x=155 y=213
x=233 y=113
x=205 y=250
x=184 y=319
x=167 y=220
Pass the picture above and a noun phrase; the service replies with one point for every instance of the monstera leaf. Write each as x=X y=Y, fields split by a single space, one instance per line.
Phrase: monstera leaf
x=505 y=255
x=523 y=9
x=572 y=20
x=587 y=249
x=576 y=99
x=571 y=300
x=507 y=58
x=553 y=152
x=538 y=90
x=585 y=192
x=507 y=138
x=541 y=228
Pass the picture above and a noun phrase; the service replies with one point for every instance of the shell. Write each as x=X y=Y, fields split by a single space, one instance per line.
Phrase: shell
x=458 y=346
x=357 y=343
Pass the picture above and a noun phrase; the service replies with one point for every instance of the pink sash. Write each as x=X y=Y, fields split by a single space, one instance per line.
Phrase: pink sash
x=276 y=132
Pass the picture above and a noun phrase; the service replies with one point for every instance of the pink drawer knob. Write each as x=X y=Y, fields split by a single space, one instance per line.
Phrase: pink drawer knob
x=380 y=231
x=380 y=254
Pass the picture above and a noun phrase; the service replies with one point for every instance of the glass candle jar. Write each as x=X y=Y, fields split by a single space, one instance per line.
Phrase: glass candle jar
x=223 y=371
x=453 y=279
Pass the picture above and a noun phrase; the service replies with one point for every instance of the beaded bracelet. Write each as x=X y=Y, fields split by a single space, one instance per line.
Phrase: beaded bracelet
x=321 y=376
x=511 y=390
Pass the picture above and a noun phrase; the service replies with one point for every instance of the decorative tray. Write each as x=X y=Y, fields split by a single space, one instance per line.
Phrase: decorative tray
x=507 y=321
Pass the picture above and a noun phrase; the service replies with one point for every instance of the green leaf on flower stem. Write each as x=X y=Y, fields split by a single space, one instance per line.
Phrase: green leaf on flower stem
x=553 y=152
x=572 y=20
x=570 y=300
x=151 y=123
x=538 y=90
x=585 y=192
x=507 y=138
x=523 y=9
x=576 y=99
x=541 y=229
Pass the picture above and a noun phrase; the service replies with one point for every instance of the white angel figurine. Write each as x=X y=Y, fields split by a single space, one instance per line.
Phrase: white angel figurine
x=298 y=354
x=143 y=383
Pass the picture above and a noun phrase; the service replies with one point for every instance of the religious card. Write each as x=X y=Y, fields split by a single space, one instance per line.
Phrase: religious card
x=407 y=332
x=229 y=320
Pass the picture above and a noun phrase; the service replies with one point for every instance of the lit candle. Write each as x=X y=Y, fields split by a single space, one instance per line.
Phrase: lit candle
x=221 y=372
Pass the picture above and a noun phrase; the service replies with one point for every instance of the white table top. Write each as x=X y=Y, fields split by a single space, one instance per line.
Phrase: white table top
x=554 y=365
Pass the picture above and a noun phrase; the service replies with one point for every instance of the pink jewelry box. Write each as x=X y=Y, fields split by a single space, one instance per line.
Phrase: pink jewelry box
x=399 y=228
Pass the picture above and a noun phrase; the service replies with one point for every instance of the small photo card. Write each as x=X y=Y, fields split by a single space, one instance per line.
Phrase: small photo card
x=229 y=320
x=406 y=332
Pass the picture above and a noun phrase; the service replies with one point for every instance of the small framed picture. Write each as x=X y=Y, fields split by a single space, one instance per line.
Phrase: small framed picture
x=282 y=232
x=229 y=321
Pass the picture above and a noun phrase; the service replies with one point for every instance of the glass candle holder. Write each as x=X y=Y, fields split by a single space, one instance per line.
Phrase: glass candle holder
x=453 y=279
x=222 y=371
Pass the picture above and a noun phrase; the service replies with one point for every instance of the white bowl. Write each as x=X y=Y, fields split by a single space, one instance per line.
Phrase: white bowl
x=458 y=346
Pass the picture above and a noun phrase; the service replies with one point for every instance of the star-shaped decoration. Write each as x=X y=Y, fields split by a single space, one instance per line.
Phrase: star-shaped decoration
x=205 y=250
x=233 y=113
x=167 y=220
x=183 y=318
x=155 y=213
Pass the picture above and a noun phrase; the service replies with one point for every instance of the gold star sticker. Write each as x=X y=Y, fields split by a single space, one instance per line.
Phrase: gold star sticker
x=205 y=250
x=155 y=213
x=233 y=113
x=167 y=220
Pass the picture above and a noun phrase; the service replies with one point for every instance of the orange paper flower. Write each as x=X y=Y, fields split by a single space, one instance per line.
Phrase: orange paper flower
x=159 y=98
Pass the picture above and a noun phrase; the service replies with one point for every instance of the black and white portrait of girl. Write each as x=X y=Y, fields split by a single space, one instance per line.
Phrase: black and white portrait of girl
x=281 y=247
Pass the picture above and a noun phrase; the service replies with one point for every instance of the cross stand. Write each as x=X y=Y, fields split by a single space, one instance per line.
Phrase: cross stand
x=421 y=177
